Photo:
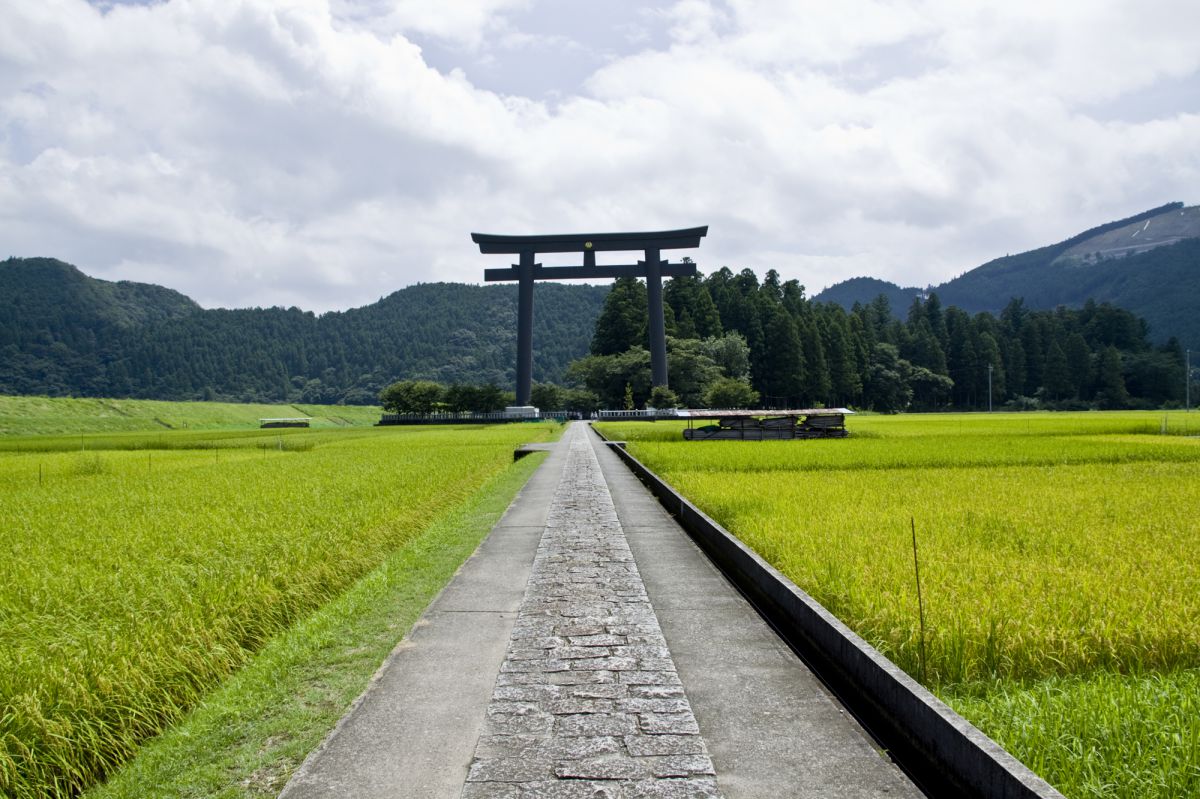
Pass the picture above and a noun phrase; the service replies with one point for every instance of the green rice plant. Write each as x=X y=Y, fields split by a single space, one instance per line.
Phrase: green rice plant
x=1028 y=424
x=879 y=453
x=1027 y=571
x=1057 y=563
x=89 y=464
x=128 y=592
x=1115 y=736
x=956 y=425
x=247 y=736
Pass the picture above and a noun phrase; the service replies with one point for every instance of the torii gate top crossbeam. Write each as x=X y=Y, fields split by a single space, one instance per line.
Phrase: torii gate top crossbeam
x=686 y=238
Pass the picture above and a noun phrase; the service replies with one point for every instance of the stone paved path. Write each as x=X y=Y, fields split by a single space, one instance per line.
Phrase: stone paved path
x=588 y=702
x=542 y=670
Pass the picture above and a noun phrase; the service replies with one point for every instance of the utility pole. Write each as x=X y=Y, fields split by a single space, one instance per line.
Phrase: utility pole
x=989 y=388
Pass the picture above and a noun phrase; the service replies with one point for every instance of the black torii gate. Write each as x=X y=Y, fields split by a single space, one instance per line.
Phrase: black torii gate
x=527 y=271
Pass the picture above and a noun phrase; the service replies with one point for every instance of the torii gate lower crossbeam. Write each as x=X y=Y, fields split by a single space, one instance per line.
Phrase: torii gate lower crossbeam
x=527 y=271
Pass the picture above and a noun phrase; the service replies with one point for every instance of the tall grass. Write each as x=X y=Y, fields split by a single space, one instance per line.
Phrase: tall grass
x=130 y=586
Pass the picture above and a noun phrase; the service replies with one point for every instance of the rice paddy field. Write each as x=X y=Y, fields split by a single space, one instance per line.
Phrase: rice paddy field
x=1059 y=561
x=138 y=570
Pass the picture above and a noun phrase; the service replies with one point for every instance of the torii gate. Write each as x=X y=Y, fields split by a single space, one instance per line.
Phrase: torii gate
x=527 y=271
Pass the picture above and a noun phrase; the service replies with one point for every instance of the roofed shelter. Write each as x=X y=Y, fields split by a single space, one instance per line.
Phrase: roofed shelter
x=747 y=425
x=290 y=421
x=527 y=270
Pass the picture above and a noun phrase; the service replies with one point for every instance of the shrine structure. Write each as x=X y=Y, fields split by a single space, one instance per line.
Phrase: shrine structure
x=527 y=271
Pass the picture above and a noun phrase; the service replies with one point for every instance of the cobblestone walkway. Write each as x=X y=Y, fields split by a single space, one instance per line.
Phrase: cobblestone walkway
x=588 y=703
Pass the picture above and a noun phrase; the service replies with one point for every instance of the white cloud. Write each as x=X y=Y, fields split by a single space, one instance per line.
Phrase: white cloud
x=306 y=152
x=464 y=23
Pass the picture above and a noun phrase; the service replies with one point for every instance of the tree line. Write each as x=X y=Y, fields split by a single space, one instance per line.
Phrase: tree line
x=780 y=349
x=424 y=397
x=735 y=341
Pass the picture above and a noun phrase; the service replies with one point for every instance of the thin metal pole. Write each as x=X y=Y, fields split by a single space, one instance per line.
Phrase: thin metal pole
x=1187 y=383
x=525 y=328
x=989 y=388
x=920 y=597
x=658 y=335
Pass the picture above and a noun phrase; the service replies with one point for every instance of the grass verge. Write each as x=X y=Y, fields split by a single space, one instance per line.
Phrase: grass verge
x=248 y=736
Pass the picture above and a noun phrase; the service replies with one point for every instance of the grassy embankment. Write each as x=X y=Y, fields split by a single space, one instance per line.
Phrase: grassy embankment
x=137 y=581
x=1057 y=558
x=63 y=415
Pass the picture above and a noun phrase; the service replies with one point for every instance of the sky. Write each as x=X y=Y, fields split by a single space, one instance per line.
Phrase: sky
x=325 y=153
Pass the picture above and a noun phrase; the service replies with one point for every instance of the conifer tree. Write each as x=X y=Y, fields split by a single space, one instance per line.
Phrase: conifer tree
x=778 y=367
x=937 y=320
x=1079 y=362
x=1012 y=352
x=844 y=374
x=818 y=384
x=1057 y=381
x=623 y=321
x=1111 y=393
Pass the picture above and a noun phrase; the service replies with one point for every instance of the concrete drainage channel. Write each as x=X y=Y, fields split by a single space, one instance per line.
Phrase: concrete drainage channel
x=944 y=754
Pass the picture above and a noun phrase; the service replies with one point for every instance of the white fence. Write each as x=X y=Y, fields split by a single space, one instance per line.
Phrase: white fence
x=470 y=417
x=648 y=413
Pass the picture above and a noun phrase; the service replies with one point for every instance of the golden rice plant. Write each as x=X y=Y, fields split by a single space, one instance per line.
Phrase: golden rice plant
x=132 y=581
x=1058 y=562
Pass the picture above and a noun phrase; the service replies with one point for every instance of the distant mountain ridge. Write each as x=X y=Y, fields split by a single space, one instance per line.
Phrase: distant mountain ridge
x=63 y=332
x=855 y=289
x=1148 y=264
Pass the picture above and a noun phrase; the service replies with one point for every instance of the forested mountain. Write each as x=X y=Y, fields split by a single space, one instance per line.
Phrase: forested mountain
x=866 y=289
x=1148 y=264
x=797 y=352
x=62 y=332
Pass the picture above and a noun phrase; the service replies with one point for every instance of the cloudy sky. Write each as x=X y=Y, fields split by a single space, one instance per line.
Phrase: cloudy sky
x=323 y=153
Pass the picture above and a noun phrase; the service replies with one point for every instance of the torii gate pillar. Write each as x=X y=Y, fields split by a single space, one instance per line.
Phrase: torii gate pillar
x=657 y=327
x=527 y=271
x=525 y=328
